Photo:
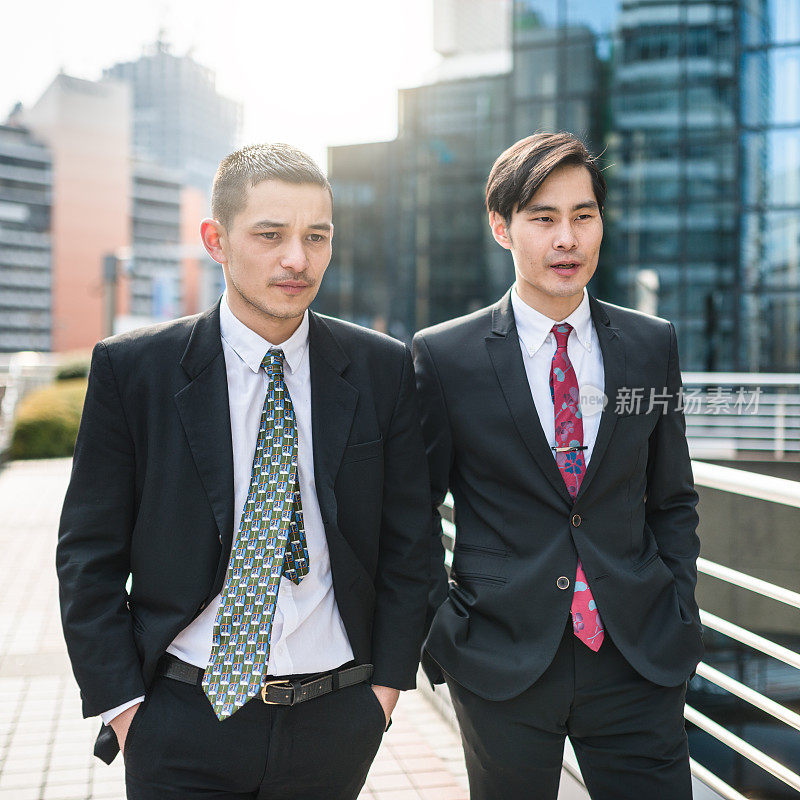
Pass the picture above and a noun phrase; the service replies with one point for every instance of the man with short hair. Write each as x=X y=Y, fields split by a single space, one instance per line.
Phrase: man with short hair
x=570 y=609
x=259 y=471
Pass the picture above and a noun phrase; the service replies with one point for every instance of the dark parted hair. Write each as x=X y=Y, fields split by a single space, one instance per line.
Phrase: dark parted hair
x=253 y=164
x=519 y=171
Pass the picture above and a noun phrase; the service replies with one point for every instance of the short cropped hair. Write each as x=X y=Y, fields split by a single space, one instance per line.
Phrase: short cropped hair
x=519 y=172
x=253 y=164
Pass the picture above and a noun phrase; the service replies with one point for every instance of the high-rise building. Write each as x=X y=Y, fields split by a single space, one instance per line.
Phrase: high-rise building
x=179 y=119
x=695 y=106
x=125 y=252
x=673 y=184
x=769 y=175
x=126 y=164
x=451 y=132
x=155 y=265
x=86 y=125
x=412 y=245
x=367 y=208
x=26 y=179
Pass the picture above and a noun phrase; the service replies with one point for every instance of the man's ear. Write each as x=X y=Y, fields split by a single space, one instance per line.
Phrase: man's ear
x=499 y=230
x=212 y=232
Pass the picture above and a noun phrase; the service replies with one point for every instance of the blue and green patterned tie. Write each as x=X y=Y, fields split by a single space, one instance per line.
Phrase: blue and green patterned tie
x=271 y=543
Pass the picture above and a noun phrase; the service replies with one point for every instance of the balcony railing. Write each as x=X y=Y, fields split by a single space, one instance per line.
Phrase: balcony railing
x=745 y=484
x=730 y=414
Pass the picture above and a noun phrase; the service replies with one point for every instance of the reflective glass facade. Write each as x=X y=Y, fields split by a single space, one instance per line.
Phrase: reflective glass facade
x=769 y=230
x=695 y=105
x=179 y=119
x=673 y=182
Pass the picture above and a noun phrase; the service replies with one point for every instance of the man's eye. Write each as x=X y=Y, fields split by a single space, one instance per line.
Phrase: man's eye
x=316 y=237
x=269 y=235
x=542 y=219
x=584 y=216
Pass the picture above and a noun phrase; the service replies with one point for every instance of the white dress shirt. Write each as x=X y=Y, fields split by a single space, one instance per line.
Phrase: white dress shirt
x=308 y=634
x=538 y=347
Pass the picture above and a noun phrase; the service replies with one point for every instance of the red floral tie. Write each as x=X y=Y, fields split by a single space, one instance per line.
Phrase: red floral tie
x=586 y=620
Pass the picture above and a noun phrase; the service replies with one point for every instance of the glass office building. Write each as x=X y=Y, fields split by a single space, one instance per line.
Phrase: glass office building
x=180 y=120
x=769 y=140
x=695 y=105
x=672 y=142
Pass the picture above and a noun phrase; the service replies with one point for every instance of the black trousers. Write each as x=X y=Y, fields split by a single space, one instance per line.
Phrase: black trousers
x=323 y=748
x=628 y=733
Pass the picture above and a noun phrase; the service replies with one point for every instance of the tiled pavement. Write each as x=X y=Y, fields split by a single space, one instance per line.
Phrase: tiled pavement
x=45 y=745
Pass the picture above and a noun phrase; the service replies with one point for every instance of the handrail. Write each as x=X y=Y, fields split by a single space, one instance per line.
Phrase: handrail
x=713 y=782
x=752 y=754
x=750 y=639
x=745 y=378
x=749 y=695
x=747 y=484
x=744 y=581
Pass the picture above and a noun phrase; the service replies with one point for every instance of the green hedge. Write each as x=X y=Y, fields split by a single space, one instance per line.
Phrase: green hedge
x=73 y=369
x=46 y=422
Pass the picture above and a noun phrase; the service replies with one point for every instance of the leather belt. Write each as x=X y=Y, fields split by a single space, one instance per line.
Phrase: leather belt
x=276 y=691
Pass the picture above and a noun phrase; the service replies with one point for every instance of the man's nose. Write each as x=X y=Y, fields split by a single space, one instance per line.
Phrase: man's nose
x=565 y=238
x=294 y=255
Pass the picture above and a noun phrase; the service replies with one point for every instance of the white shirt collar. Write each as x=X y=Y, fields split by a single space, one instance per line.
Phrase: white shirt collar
x=252 y=348
x=534 y=327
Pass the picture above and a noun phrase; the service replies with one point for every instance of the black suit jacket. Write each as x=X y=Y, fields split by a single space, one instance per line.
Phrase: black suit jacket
x=632 y=524
x=151 y=494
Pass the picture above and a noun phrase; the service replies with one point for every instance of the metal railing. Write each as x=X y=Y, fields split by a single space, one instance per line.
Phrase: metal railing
x=746 y=484
x=730 y=413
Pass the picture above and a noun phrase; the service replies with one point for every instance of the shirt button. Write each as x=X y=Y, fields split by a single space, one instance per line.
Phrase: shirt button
x=563 y=582
x=576 y=520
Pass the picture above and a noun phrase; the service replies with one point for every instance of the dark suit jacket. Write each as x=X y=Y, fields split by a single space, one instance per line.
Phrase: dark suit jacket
x=151 y=494
x=632 y=524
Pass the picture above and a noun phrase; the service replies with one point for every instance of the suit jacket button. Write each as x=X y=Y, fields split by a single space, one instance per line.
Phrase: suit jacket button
x=563 y=582
x=576 y=520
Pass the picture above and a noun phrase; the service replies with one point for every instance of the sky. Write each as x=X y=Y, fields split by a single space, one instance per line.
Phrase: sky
x=309 y=72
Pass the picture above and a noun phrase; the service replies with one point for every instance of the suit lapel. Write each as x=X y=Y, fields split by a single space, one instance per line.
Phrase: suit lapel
x=506 y=356
x=203 y=409
x=613 y=350
x=333 y=406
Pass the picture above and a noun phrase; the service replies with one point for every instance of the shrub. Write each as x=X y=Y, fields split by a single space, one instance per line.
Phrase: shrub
x=46 y=422
x=76 y=366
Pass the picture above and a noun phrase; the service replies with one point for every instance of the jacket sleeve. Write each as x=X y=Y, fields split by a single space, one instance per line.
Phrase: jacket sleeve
x=439 y=449
x=671 y=497
x=401 y=579
x=93 y=552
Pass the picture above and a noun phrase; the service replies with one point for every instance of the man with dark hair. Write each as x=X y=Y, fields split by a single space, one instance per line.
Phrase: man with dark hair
x=570 y=609
x=259 y=472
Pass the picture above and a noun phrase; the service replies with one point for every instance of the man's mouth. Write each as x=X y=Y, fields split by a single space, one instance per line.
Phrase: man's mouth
x=292 y=287
x=565 y=267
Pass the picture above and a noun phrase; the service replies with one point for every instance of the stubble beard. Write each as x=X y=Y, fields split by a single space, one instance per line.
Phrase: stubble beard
x=270 y=312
